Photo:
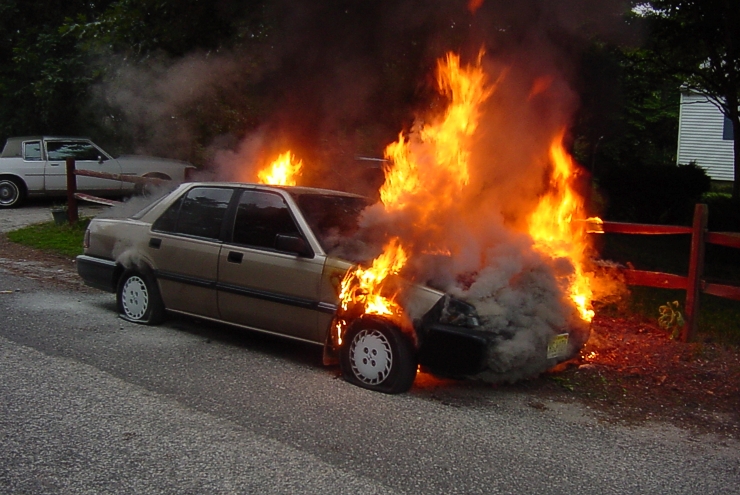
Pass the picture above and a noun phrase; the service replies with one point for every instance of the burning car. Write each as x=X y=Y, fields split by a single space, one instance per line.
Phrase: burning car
x=261 y=257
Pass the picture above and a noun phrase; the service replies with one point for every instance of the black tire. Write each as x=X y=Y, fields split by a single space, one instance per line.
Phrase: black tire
x=12 y=192
x=377 y=356
x=138 y=298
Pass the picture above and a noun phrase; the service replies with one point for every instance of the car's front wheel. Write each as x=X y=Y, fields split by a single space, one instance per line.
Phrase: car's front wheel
x=378 y=356
x=11 y=192
x=138 y=298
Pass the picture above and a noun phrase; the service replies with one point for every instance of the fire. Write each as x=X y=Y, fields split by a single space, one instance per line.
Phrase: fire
x=363 y=290
x=430 y=169
x=553 y=230
x=283 y=171
x=428 y=172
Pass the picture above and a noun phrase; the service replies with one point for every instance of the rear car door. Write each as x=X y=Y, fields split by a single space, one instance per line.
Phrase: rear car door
x=260 y=286
x=184 y=245
x=87 y=156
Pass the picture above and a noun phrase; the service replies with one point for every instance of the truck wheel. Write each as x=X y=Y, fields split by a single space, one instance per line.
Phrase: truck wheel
x=11 y=192
x=377 y=356
x=138 y=298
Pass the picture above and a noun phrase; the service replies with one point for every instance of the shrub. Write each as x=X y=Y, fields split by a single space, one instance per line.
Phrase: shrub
x=653 y=194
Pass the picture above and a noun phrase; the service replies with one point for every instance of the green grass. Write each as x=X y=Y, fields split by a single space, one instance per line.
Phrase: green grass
x=719 y=318
x=62 y=239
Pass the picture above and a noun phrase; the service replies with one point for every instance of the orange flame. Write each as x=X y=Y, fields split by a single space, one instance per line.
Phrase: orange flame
x=281 y=172
x=440 y=151
x=363 y=290
x=553 y=230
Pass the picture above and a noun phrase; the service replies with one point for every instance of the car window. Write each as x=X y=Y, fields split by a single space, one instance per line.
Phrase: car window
x=334 y=219
x=199 y=213
x=79 y=150
x=32 y=151
x=260 y=217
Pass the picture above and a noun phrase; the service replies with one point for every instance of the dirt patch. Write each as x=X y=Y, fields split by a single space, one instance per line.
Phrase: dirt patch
x=630 y=370
x=54 y=269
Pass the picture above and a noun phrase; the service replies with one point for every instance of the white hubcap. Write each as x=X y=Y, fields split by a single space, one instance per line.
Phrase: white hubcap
x=135 y=298
x=371 y=357
x=8 y=193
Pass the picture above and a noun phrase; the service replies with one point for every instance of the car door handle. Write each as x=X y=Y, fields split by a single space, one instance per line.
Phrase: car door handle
x=155 y=243
x=234 y=257
x=54 y=164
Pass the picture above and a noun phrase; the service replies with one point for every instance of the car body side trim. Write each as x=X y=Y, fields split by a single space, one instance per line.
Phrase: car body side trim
x=246 y=327
x=244 y=291
x=175 y=277
x=278 y=298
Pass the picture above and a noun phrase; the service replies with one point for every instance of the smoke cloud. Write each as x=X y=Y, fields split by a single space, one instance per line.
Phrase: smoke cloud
x=344 y=79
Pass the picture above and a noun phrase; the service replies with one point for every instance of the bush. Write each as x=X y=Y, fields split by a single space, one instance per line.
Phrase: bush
x=724 y=214
x=653 y=194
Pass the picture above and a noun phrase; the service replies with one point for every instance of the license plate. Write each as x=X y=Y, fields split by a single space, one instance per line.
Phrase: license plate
x=558 y=346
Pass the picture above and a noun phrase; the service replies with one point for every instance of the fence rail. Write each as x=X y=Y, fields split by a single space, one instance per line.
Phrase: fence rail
x=73 y=195
x=694 y=283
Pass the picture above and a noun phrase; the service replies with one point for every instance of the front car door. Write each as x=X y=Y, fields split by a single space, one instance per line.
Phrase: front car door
x=185 y=244
x=262 y=287
x=87 y=156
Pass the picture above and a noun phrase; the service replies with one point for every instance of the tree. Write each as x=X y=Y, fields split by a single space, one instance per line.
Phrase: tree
x=698 y=41
x=43 y=75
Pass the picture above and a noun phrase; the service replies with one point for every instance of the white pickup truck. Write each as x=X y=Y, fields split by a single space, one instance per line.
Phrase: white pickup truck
x=35 y=166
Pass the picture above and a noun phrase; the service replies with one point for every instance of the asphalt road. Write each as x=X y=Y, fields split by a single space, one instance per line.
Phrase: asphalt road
x=90 y=403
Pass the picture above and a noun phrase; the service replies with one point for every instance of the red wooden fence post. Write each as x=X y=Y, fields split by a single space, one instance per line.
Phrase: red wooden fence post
x=72 y=214
x=696 y=272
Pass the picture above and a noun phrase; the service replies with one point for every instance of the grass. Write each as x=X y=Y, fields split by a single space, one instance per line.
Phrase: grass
x=719 y=318
x=62 y=239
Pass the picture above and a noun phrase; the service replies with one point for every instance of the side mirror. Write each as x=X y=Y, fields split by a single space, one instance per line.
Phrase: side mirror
x=293 y=244
x=100 y=159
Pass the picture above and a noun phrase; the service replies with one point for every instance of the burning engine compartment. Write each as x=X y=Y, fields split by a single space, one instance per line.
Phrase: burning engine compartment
x=482 y=209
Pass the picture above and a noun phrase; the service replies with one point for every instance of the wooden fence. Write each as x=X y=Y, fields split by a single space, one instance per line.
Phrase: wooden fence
x=73 y=195
x=694 y=283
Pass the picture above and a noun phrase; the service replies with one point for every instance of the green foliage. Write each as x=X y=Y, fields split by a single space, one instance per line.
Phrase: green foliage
x=671 y=318
x=653 y=194
x=697 y=42
x=62 y=239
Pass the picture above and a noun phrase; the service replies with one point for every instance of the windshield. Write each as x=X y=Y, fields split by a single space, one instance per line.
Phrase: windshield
x=333 y=218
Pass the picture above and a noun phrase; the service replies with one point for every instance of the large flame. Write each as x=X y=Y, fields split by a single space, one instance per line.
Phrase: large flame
x=428 y=172
x=283 y=171
x=431 y=167
x=428 y=179
x=363 y=290
x=552 y=227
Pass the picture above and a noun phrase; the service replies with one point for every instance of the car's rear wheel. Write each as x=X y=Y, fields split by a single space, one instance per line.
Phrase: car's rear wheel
x=138 y=298
x=377 y=356
x=11 y=192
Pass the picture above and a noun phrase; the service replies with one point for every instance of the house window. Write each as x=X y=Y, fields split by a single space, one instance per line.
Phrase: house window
x=727 y=130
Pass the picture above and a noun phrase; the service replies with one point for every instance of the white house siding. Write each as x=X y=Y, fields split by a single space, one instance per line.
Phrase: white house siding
x=700 y=137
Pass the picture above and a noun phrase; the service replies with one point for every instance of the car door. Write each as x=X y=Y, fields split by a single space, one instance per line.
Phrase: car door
x=184 y=246
x=87 y=156
x=260 y=286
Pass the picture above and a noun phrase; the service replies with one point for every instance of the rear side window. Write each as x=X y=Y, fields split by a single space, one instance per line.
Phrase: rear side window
x=260 y=217
x=199 y=213
x=32 y=151
x=79 y=150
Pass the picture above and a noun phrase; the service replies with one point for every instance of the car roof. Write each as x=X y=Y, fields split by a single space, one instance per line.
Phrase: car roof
x=299 y=190
x=12 y=146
